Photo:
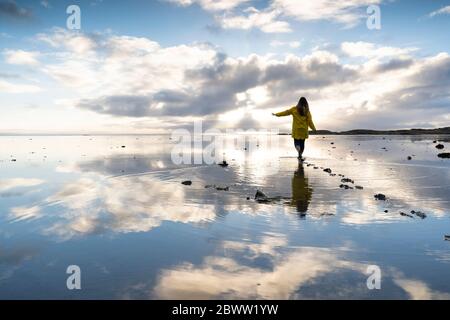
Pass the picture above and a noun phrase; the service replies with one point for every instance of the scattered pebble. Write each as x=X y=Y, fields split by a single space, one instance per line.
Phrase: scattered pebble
x=327 y=170
x=224 y=164
x=444 y=155
x=347 y=180
x=344 y=186
x=326 y=214
x=409 y=158
x=406 y=215
x=223 y=188
x=380 y=197
x=440 y=146
x=187 y=183
x=359 y=187
x=419 y=214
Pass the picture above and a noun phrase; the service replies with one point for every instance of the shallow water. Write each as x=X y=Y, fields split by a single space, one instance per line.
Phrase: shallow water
x=123 y=216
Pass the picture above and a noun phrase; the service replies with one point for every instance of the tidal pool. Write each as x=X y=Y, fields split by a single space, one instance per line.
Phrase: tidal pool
x=115 y=206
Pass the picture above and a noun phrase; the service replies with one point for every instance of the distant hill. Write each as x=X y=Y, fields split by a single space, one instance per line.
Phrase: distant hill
x=445 y=130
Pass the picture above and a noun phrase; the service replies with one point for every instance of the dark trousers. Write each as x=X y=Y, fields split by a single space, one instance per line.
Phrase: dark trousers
x=300 y=146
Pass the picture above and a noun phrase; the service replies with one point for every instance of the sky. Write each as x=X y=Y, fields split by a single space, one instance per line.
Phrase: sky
x=142 y=66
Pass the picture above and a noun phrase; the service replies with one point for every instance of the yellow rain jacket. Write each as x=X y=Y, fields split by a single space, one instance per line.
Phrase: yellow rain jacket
x=300 y=123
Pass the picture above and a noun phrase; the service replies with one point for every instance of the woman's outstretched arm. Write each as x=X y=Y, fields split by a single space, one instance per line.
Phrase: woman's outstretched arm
x=283 y=114
x=311 y=123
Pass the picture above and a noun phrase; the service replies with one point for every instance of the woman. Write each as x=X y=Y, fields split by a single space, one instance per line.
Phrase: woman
x=302 y=120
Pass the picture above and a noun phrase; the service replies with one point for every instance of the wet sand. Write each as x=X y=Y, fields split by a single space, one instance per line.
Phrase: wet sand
x=116 y=206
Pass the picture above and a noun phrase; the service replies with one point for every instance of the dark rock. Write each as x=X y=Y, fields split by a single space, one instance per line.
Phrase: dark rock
x=248 y=198
x=261 y=197
x=406 y=215
x=223 y=188
x=359 y=187
x=380 y=197
x=444 y=155
x=123 y=147
x=386 y=211
x=187 y=183
x=440 y=146
x=347 y=180
x=316 y=168
x=434 y=141
x=224 y=164
x=327 y=170
x=419 y=214
x=209 y=186
x=13 y=160
x=409 y=158
x=447 y=238
x=346 y=187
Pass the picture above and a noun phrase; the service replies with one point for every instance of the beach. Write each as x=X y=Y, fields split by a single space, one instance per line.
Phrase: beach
x=116 y=206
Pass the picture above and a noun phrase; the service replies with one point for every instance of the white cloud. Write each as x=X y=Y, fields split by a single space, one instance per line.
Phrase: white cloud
x=92 y=204
x=230 y=278
x=21 y=57
x=23 y=213
x=444 y=10
x=272 y=19
x=348 y=12
x=212 y=5
x=371 y=50
x=73 y=42
x=8 y=184
x=136 y=77
x=419 y=290
x=266 y=20
x=292 y=44
x=8 y=87
x=102 y=64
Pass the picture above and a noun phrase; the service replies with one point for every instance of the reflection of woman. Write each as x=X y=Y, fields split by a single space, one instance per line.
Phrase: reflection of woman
x=302 y=120
x=301 y=192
